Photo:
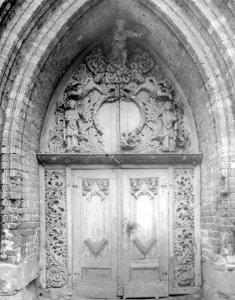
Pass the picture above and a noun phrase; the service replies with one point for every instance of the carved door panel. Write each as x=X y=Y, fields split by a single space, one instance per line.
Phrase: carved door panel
x=145 y=240
x=94 y=234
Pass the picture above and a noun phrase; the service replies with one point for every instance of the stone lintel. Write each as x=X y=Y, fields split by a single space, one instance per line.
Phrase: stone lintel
x=120 y=158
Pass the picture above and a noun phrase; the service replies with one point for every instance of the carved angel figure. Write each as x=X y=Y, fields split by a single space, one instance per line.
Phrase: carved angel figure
x=72 y=133
x=77 y=90
x=121 y=33
x=169 y=128
x=154 y=87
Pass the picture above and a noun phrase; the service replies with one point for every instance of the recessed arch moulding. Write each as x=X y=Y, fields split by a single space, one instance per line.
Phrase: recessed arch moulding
x=197 y=64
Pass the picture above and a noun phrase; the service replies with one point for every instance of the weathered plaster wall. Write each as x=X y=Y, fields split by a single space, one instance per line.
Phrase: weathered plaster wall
x=39 y=41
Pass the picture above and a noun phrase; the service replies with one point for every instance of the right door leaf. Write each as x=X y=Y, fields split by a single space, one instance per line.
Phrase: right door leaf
x=145 y=244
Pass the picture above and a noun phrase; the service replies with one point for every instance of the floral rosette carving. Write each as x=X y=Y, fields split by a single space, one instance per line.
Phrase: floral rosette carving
x=56 y=275
x=185 y=275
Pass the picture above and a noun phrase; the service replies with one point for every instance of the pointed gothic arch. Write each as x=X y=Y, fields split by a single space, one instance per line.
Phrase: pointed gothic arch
x=29 y=81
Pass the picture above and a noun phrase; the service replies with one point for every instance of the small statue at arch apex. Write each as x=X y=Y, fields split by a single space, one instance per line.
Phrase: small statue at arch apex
x=121 y=33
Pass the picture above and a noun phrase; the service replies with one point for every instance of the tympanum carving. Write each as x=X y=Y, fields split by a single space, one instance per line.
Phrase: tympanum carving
x=184 y=227
x=120 y=76
x=56 y=232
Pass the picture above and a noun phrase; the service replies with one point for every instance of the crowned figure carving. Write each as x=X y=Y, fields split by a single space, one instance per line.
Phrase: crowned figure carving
x=119 y=76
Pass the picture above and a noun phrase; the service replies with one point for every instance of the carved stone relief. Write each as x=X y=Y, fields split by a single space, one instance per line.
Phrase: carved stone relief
x=184 y=227
x=56 y=232
x=120 y=76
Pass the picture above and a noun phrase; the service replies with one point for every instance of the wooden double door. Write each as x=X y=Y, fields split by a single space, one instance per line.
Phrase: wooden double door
x=120 y=233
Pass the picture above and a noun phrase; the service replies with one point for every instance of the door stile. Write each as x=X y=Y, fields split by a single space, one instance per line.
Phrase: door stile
x=164 y=225
x=197 y=245
x=126 y=239
x=120 y=227
x=69 y=187
x=76 y=194
x=170 y=230
x=113 y=223
x=42 y=263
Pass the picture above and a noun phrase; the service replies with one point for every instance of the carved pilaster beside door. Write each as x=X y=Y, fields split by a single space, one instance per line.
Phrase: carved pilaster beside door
x=183 y=228
x=56 y=230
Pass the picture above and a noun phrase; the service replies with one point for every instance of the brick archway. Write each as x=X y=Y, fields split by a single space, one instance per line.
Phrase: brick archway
x=40 y=42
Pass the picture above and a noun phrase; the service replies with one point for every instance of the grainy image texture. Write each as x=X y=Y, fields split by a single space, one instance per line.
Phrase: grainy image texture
x=117 y=149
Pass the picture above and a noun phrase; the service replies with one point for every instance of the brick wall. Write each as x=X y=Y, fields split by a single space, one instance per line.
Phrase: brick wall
x=39 y=41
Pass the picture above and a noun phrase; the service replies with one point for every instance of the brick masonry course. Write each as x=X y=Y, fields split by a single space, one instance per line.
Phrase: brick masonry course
x=39 y=42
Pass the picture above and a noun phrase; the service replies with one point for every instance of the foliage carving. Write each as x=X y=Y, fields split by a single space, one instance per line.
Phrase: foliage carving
x=56 y=250
x=184 y=228
x=119 y=76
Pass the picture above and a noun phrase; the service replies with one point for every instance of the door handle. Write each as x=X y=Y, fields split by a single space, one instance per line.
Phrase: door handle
x=131 y=227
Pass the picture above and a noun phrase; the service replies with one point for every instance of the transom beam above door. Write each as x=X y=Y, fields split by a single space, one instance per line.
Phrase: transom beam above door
x=119 y=158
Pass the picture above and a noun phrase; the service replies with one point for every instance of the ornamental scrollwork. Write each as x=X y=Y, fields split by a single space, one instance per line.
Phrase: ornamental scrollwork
x=56 y=249
x=184 y=227
x=93 y=185
x=144 y=185
x=122 y=75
